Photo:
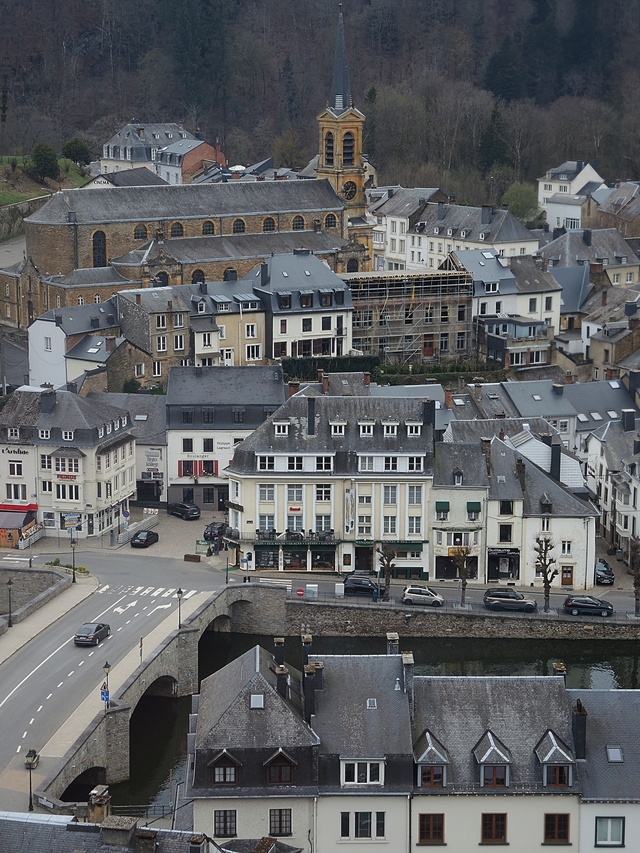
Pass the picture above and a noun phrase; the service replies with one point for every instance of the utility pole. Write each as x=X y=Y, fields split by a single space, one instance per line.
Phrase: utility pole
x=2 y=368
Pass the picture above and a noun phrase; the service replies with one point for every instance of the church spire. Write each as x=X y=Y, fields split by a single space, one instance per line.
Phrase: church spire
x=340 y=89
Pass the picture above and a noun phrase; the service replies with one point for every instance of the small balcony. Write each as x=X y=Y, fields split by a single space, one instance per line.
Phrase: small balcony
x=310 y=537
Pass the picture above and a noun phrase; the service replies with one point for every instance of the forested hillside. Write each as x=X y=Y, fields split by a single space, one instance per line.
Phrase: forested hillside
x=465 y=94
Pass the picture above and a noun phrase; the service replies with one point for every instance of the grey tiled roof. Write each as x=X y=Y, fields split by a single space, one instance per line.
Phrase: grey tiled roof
x=608 y=304
x=502 y=228
x=468 y=458
x=612 y=720
x=86 y=277
x=78 y=318
x=551 y=749
x=149 y=431
x=518 y=711
x=460 y=430
x=530 y=278
x=260 y=385
x=575 y=285
x=568 y=249
x=623 y=202
x=344 y=723
x=186 y=201
x=141 y=177
x=406 y=201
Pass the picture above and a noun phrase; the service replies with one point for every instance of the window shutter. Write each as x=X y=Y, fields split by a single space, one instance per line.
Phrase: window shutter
x=215 y=467
x=180 y=468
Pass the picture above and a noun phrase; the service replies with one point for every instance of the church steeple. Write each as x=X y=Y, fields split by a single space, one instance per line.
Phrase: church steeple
x=340 y=99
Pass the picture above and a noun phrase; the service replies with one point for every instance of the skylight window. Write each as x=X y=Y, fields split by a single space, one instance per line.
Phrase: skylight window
x=596 y=416
x=582 y=418
x=611 y=413
x=372 y=704
x=537 y=397
x=487 y=255
x=614 y=754
x=458 y=401
x=614 y=384
x=141 y=417
x=257 y=700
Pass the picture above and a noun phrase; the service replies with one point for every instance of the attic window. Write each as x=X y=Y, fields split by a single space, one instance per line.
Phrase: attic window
x=457 y=478
x=257 y=700
x=614 y=754
x=202 y=307
x=537 y=397
x=281 y=428
x=596 y=416
x=372 y=704
x=582 y=418
x=338 y=428
x=614 y=384
x=141 y=417
x=611 y=413
x=502 y=478
x=285 y=274
x=458 y=401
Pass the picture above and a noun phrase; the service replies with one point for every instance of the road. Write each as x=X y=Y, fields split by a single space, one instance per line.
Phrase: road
x=45 y=681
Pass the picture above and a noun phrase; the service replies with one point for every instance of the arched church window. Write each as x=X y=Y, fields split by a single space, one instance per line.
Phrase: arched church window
x=298 y=223
x=328 y=149
x=348 y=148
x=99 y=249
x=352 y=265
x=330 y=221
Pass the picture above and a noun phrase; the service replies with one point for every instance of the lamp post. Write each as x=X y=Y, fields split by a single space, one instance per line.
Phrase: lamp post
x=73 y=559
x=107 y=670
x=30 y=789
x=226 y=571
x=179 y=595
x=9 y=585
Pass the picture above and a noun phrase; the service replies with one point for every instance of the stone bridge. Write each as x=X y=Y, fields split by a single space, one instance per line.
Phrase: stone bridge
x=257 y=608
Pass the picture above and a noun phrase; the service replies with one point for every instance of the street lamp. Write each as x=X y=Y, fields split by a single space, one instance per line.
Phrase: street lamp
x=179 y=595
x=107 y=670
x=30 y=788
x=73 y=559
x=9 y=585
x=226 y=571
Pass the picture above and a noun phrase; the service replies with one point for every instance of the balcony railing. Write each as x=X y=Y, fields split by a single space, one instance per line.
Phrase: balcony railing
x=301 y=537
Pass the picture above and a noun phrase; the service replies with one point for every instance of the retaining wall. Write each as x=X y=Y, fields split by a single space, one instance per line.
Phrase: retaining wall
x=12 y=216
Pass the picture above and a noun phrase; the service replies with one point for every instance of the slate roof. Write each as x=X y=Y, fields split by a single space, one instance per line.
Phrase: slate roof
x=612 y=719
x=232 y=246
x=72 y=412
x=129 y=134
x=623 y=202
x=186 y=201
x=85 y=277
x=225 y=718
x=344 y=723
x=152 y=430
x=467 y=458
x=91 y=348
x=530 y=278
x=349 y=409
x=33 y=833
x=259 y=385
x=141 y=177
x=485 y=265
x=254 y=845
x=178 y=147
x=609 y=305
x=503 y=227
x=618 y=444
x=295 y=272
x=576 y=287
x=606 y=398
x=406 y=201
x=570 y=248
x=517 y=711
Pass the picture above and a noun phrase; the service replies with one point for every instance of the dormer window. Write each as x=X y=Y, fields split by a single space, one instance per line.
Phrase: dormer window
x=556 y=759
x=202 y=307
x=338 y=428
x=281 y=428
x=224 y=769
x=482 y=235
x=491 y=287
x=13 y=432
x=284 y=301
x=109 y=428
x=67 y=435
x=366 y=428
x=432 y=762
x=362 y=773
x=414 y=430
x=280 y=769
x=390 y=429
x=436 y=230
x=431 y=776
x=457 y=478
x=494 y=759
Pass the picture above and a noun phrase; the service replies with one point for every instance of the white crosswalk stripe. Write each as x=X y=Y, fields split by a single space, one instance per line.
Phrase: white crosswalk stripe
x=168 y=593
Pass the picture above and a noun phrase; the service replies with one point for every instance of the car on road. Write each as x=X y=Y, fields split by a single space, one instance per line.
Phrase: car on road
x=361 y=585
x=421 y=595
x=509 y=599
x=143 y=538
x=91 y=633
x=587 y=605
x=184 y=510
x=214 y=530
x=604 y=573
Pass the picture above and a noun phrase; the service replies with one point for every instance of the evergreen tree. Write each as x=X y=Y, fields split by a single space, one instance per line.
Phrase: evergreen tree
x=493 y=148
x=43 y=161
x=289 y=93
x=369 y=133
x=77 y=150
x=503 y=76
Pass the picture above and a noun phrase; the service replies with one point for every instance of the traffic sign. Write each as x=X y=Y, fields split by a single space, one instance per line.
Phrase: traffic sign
x=104 y=695
x=126 y=513
x=300 y=592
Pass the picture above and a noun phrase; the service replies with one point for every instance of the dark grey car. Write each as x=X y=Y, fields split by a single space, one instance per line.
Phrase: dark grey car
x=184 y=510
x=509 y=599
x=91 y=633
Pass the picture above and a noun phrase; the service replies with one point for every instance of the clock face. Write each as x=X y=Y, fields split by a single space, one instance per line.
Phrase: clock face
x=349 y=190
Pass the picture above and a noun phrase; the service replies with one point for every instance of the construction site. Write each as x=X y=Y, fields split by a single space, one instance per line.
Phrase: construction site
x=412 y=318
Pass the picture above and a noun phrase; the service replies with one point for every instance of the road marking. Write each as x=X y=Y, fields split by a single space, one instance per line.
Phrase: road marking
x=168 y=592
x=19 y=748
x=24 y=736
x=91 y=653
x=81 y=662
x=61 y=683
x=136 y=591
x=50 y=695
x=120 y=628
x=71 y=673
x=127 y=622
x=159 y=607
x=190 y=593
x=103 y=588
x=135 y=614
x=158 y=591
x=39 y=709
x=147 y=590
x=31 y=721
x=126 y=607
x=17 y=559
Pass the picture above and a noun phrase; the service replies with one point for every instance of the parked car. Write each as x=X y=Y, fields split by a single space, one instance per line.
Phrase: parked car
x=185 y=511
x=421 y=595
x=213 y=531
x=143 y=538
x=606 y=566
x=91 y=633
x=587 y=604
x=361 y=585
x=604 y=573
x=509 y=599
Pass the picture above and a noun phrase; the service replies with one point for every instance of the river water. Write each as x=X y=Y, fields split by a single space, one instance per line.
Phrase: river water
x=159 y=725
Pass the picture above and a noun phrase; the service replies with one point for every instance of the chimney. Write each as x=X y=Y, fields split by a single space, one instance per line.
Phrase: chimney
x=169 y=305
x=604 y=297
x=636 y=445
x=264 y=275
x=367 y=378
x=520 y=470
x=393 y=643
x=448 y=399
x=309 y=688
x=320 y=374
x=307 y=640
x=559 y=668
x=556 y=450
x=282 y=674
x=118 y=831
x=294 y=387
x=58 y=319
x=138 y=299
x=203 y=287
x=501 y=434
x=199 y=370
x=47 y=402
x=586 y=236
x=110 y=343
x=429 y=412
x=546 y=437
x=325 y=384
x=628 y=420
x=487 y=210
x=319 y=665
x=579 y=729
x=558 y=388
x=73 y=387
x=278 y=654
x=630 y=308
x=98 y=804
x=111 y=318
x=311 y=415
x=485 y=443
x=407 y=672
x=95 y=322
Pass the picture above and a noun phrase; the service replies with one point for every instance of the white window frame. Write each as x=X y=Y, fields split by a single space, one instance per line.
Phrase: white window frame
x=380 y=766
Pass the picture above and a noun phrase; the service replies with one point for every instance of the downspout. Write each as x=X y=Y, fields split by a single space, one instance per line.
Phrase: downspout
x=315 y=824
x=409 y=822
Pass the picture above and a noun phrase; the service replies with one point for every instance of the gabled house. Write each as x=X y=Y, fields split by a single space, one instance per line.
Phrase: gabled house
x=180 y=160
x=570 y=178
x=603 y=250
x=621 y=209
x=138 y=145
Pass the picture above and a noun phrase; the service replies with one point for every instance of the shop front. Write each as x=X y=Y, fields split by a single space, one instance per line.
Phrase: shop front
x=503 y=564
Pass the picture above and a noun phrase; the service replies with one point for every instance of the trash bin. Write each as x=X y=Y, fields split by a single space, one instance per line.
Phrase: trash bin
x=619 y=554
x=112 y=538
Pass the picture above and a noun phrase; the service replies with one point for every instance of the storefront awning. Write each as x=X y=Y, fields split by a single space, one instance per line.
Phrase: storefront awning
x=14 y=520
x=442 y=506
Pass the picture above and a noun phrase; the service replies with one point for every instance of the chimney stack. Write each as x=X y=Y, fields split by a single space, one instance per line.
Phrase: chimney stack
x=448 y=399
x=558 y=388
x=487 y=211
x=429 y=413
x=95 y=322
x=579 y=729
x=604 y=297
x=278 y=654
x=636 y=445
x=264 y=275
x=407 y=672
x=320 y=374
x=393 y=643
x=586 y=236
x=520 y=471
x=311 y=415
x=47 y=401
x=138 y=299
x=325 y=384
x=294 y=387
x=282 y=674
x=309 y=688
x=307 y=641
x=556 y=453
x=485 y=443
x=367 y=378
x=319 y=665
x=628 y=420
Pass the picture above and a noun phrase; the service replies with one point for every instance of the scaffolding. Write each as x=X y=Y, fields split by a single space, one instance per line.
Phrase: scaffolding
x=412 y=318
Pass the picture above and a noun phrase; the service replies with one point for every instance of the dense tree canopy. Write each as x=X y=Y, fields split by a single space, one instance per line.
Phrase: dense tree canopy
x=471 y=96
x=43 y=161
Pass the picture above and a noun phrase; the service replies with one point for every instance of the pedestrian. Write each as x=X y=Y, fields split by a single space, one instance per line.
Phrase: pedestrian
x=216 y=547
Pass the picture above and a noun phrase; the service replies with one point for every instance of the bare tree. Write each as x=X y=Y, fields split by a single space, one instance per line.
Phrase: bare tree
x=634 y=569
x=543 y=547
x=460 y=556
x=387 y=556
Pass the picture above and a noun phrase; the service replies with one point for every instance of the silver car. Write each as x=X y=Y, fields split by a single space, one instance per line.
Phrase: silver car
x=421 y=595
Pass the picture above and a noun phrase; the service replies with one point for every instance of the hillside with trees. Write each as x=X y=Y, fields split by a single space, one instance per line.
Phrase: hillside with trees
x=468 y=95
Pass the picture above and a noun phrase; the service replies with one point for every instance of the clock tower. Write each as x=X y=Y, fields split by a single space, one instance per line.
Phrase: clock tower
x=340 y=150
